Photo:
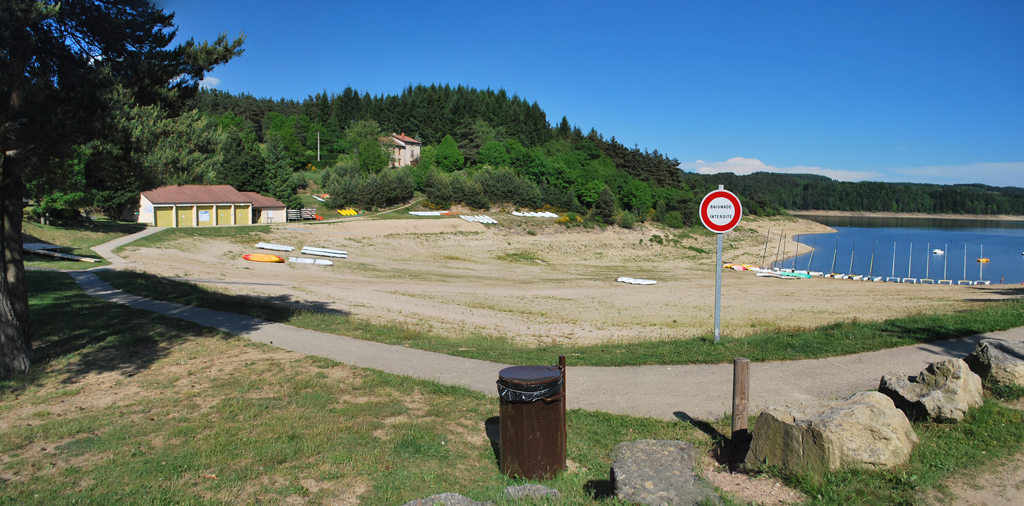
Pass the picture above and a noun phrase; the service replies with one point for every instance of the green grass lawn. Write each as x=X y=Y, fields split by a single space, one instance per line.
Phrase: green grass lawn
x=242 y=234
x=76 y=237
x=830 y=340
x=124 y=406
x=129 y=407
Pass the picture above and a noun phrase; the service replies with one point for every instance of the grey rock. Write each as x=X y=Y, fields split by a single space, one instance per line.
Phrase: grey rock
x=447 y=499
x=863 y=430
x=659 y=473
x=997 y=361
x=943 y=392
x=530 y=491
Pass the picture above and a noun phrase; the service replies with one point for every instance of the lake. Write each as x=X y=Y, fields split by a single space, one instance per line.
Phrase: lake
x=882 y=246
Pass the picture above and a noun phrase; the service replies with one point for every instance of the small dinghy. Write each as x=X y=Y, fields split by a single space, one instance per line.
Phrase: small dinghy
x=314 y=261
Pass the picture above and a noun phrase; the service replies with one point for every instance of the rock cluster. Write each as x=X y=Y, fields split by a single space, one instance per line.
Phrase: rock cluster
x=530 y=491
x=447 y=499
x=943 y=392
x=512 y=492
x=864 y=430
x=999 y=362
x=659 y=473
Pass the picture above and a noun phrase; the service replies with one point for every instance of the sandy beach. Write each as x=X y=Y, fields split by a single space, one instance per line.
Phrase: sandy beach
x=539 y=282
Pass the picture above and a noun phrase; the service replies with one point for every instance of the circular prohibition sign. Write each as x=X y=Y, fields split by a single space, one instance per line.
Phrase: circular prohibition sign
x=720 y=211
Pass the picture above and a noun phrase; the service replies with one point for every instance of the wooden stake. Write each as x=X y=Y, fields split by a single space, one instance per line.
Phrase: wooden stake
x=740 y=396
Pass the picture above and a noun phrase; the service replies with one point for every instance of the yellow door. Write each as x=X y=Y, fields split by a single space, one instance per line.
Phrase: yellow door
x=257 y=214
x=184 y=216
x=164 y=216
x=205 y=215
x=223 y=215
x=241 y=215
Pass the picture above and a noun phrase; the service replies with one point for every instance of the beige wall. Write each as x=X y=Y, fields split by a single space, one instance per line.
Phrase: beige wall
x=272 y=215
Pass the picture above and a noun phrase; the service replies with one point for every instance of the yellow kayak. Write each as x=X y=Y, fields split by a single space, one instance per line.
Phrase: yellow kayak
x=263 y=257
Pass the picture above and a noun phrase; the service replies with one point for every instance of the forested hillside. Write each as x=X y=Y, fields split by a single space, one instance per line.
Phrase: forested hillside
x=484 y=147
x=480 y=148
x=812 y=192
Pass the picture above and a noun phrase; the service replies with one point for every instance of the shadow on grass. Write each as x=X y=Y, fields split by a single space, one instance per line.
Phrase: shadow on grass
x=275 y=308
x=97 y=336
x=727 y=451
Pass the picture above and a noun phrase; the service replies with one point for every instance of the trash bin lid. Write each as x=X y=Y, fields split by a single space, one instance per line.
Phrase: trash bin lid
x=530 y=374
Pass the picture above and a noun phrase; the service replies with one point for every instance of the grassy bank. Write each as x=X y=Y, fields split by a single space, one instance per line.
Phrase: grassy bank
x=830 y=340
x=77 y=237
x=127 y=407
x=244 y=234
x=987 y=434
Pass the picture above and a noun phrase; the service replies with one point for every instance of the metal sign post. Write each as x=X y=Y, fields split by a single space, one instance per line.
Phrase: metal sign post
x=720 y=212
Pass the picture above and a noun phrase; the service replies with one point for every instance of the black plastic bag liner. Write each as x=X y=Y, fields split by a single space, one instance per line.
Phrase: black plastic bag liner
x=529 y=383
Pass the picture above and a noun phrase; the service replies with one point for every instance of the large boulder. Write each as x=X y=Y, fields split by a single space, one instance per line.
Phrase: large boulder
x=943 y=392
x=659 y=473
x=863 y=430
x=997 y=361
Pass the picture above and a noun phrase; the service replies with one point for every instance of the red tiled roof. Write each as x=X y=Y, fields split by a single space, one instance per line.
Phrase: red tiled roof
x=207 y=194
x=261 y=201
x=405 y=139
x=196 y=194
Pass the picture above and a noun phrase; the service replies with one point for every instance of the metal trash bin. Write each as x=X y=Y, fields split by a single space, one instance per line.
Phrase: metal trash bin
x=532 y=444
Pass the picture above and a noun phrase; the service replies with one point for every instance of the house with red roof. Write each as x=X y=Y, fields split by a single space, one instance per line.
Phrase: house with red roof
x=207 y=205
x=406 y=150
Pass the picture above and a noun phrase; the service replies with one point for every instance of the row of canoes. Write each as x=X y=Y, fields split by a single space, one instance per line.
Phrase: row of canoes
x=306 y=250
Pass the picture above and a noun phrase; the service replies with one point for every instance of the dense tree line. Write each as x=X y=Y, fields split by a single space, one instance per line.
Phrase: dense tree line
x=813 y=192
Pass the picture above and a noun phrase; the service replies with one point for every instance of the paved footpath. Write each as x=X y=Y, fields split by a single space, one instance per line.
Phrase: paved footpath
x=667 y=392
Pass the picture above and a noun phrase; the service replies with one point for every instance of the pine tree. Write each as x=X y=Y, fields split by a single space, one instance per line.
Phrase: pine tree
x=604 y=208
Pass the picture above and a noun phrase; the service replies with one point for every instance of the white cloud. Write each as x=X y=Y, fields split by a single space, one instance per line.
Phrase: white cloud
x=993 y=174
x=209 y=82
x=742 y=166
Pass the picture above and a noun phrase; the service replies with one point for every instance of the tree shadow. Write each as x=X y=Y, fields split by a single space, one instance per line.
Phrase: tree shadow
x=98 y=336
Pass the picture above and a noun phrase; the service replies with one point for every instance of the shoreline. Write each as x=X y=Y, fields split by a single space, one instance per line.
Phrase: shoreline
x=884 y=214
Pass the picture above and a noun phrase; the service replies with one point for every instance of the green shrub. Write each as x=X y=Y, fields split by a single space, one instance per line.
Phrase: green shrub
x=626 y=219
x=673 y=219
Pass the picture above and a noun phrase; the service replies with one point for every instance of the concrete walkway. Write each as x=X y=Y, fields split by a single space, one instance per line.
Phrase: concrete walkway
x=106 y=250
x=667 y=392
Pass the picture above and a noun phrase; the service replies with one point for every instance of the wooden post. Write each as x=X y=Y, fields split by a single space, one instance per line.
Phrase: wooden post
x=565 y=433
x=740 y=396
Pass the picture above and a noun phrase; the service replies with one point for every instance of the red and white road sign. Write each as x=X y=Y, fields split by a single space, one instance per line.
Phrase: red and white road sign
x=720 y=211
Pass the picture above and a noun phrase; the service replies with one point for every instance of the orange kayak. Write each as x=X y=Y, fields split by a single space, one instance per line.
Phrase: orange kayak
x=263 y=257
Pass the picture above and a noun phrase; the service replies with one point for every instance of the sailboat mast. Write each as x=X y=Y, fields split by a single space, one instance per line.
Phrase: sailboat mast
x=782 y=259
x=813 y=247
x=893 y=275
x=765 y=252
x=797 y=250
x=965 y=261
x=945 y=260
x=853 y=248
x=871 y=267
x=910 y=261
x=776 y=256
x=833 y=269
x=927 y=260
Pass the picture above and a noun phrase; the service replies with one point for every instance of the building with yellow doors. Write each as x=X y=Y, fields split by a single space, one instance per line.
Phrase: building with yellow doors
x=206 y=206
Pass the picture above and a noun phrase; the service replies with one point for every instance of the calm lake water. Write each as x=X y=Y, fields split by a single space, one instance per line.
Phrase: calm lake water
x=870 y=243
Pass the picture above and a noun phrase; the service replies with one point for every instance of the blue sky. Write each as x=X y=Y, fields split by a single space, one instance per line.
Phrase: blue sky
x=883 y=91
